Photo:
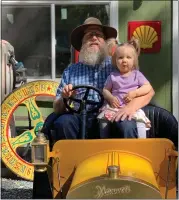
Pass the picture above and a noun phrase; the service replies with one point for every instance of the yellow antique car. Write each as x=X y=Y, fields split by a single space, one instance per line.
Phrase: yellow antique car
x=99 y=168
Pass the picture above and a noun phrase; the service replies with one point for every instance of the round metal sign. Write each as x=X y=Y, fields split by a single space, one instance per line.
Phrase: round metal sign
x=26 y=94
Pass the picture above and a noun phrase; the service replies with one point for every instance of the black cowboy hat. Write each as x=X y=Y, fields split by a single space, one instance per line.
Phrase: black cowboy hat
x=78 y=33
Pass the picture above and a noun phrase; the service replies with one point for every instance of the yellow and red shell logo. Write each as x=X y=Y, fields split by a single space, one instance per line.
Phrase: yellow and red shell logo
x=148 y=33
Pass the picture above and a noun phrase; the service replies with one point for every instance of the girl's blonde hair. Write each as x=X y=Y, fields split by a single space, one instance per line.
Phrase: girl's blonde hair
x=111 y=45
x=135 y=44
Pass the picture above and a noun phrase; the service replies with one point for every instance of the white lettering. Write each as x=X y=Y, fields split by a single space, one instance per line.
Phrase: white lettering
x=102 y=191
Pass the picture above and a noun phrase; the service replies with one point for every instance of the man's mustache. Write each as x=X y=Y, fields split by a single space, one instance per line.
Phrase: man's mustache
x=93 y=43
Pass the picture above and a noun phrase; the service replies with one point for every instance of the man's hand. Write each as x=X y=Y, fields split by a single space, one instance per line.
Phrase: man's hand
x=128 y=111
x=114 y=102
x=129 y=96
x=67 y=91
x=58 y=104
x=125 y=112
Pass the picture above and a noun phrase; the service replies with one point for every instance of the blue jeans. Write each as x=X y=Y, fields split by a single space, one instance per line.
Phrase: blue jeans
x=122 y=129
x=67 y=126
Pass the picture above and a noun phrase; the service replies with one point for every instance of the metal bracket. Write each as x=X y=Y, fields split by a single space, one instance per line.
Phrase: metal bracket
x=54 y=154
x=170 y=153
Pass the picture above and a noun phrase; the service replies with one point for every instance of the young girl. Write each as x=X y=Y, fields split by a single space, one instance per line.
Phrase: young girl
x=126 y=83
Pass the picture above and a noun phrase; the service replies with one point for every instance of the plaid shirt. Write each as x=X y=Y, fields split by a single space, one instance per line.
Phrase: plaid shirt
x=79 y=73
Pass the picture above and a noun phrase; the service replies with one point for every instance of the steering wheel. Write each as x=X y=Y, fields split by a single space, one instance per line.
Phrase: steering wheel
x=84 y=101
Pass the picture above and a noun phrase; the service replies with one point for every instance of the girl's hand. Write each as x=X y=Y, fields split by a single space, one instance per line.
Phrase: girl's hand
x=114 y=102
x=128 y=97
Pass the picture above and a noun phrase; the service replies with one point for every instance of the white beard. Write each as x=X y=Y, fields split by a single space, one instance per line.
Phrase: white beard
x=91 y=57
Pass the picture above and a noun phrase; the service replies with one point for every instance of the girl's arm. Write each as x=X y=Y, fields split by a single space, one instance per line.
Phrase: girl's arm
x=112 y=100
x=143 y=90
x=107 y=94
x=142 y=100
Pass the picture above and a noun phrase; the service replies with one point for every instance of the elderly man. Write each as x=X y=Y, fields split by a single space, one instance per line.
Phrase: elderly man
x=93 y=68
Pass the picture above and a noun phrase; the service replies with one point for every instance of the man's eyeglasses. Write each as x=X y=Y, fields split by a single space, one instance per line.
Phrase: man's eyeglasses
x=97 y=34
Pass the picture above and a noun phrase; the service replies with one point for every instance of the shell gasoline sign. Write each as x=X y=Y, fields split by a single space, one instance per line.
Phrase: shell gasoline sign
x=148 y=33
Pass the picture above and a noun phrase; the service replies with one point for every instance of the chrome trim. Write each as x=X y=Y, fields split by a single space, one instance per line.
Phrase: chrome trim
x=175 y=53
x=1 y=96
x=53 y=43
x=53 y=2
x=114 y=15
x=120 y=178
x=113 y=171
x=167 y=181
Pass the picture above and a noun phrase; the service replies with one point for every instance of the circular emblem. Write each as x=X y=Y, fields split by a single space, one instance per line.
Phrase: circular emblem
x=26 y=94
x=147 y=36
